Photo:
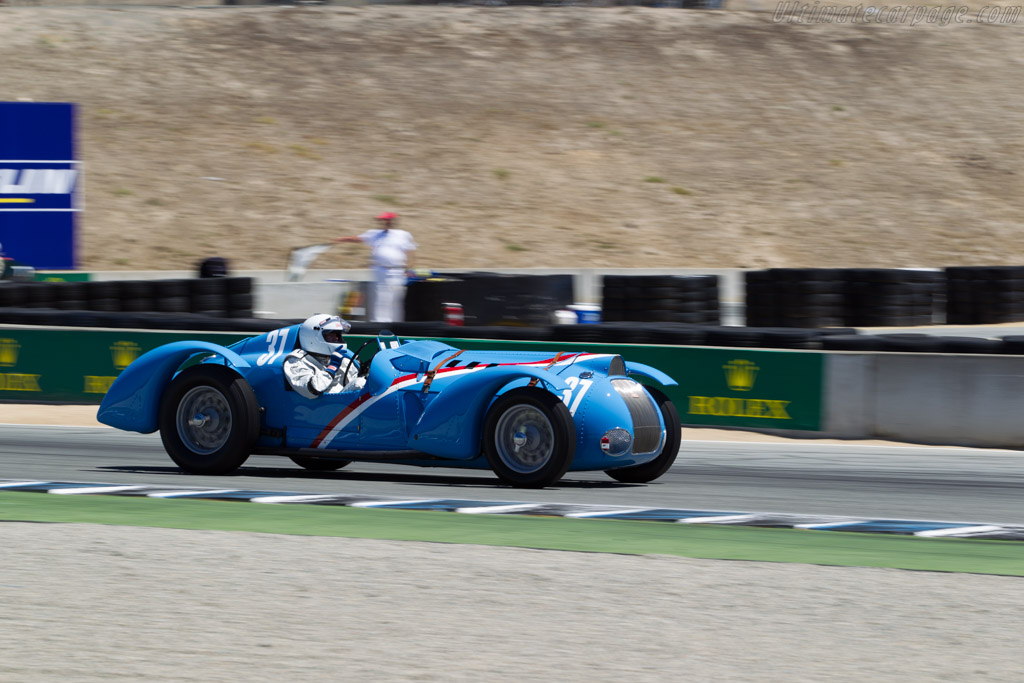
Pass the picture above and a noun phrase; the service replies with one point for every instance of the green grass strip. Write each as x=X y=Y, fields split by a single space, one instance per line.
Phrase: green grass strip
x=585 y=535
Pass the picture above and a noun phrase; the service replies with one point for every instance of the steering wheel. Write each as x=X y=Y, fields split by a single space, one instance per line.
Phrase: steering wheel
x=364 y=369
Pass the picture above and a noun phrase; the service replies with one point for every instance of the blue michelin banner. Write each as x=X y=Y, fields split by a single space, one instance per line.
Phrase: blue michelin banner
x=40 y=180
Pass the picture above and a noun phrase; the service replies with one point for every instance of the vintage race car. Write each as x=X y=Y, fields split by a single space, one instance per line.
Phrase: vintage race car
x=529 y=416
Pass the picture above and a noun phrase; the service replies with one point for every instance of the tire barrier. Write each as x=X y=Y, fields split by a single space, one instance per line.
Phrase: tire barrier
x=923 y=343
x=691 y=299
x=490 y=298
x=831 y=339
x=794 y=297
x=993 y=294
x=213 y=297
x=877 y=297
x=146 y=320
x=834 y=297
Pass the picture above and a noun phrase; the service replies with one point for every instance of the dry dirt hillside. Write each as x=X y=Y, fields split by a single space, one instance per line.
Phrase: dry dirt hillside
x=533 y=136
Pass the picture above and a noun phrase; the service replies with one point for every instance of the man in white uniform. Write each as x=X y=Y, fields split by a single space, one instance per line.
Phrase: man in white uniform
x=390 y=257
x=324 y=364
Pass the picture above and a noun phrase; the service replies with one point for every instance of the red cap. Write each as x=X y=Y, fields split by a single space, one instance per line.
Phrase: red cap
x=387 y=216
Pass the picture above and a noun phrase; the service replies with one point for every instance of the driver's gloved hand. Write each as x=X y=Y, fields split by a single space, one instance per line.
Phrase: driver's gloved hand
x=334 y=364
x=319 y=383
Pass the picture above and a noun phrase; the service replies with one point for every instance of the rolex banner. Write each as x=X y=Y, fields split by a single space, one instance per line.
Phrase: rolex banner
x=751 y=388
x=28 y=372
x=40 y=181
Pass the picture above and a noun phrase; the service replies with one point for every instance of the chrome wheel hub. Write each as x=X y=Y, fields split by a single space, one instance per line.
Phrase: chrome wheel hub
x=204 y=420
x=524 y=439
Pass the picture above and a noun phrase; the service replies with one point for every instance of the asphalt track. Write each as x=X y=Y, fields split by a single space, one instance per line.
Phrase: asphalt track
x=898 y=482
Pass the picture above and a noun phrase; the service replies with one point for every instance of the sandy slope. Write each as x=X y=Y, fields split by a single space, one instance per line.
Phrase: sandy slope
x=510 y=136
x=95 y=603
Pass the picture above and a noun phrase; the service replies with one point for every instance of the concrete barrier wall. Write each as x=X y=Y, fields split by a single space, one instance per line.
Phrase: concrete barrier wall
x=957 y=400
x=965 y=400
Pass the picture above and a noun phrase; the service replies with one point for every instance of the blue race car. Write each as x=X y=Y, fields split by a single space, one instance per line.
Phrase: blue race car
x=529 y=416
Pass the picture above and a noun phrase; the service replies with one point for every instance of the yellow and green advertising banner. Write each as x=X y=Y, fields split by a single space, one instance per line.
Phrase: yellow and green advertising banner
x=750 y=388
x=726 y=387
x=77 y=365
x=61 y=276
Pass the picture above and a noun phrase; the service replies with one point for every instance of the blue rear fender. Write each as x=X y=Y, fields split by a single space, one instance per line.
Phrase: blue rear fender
x=133 y=401
x=452 y=423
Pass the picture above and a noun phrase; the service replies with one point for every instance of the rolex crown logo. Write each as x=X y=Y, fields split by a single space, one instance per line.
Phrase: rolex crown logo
x=123 y=353
x=740 y=374
x=8 y=352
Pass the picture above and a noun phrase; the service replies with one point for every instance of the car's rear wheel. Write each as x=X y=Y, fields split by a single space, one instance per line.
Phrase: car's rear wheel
x=649 y=471
x=209 y=420
x=529 y=439
x=315 y=464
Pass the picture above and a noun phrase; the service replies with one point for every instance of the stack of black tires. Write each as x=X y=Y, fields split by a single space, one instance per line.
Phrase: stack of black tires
x=200 y=303
x=692 y=299
x=490 y=298
x=833 y=297
x=795 y=297
x=888 y=297
x=221 y=297
x=979 y=295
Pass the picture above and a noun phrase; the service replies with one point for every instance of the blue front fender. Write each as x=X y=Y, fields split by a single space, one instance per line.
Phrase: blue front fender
x=133 y=401
x=451 y=425
x=650 y=373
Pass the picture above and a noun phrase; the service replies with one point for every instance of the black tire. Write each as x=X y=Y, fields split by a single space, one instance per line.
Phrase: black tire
x=231 y=422
x=206 y=303
x=170 y=288
x=106 y=305
x=551 y=438
x=315 y=464
x=172 y=304
x=209 y=285
x=911 y=341
x=135 y=289
x=12 y=295
x=238 y=285
x=41 y=295
x=138 y=305
x=649 y=471
x=101 y=289
x=970 y=345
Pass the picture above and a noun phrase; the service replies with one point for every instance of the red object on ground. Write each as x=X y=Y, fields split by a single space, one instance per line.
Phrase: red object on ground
x=453 y=314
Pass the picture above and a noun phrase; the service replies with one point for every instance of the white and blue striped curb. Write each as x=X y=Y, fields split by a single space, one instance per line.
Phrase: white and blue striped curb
x=570 y=510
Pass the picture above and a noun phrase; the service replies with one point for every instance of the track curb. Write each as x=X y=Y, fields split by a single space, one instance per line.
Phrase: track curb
x=920 y=528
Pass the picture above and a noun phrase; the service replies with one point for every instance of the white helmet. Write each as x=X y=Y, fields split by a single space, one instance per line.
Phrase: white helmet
x=323 y=334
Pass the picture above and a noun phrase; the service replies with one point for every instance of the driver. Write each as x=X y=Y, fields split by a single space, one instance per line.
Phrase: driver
x=323 y=364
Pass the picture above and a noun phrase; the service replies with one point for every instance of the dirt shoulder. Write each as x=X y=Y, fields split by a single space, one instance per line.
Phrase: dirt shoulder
x=262 y=607
x=525 y=136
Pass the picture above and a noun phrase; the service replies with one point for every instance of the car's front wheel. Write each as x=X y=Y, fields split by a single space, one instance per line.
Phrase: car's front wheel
x=209 y=420
x=649 y=471
x=529 y=439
